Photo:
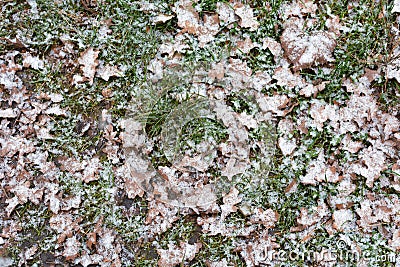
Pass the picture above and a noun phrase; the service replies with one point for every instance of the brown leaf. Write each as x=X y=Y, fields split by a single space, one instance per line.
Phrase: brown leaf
x=305 y=50
x=175 y=255
x=268 y=217
x=89 y=62
x=72 y=247
x=230 y=200
x=247 y=19
x=107 y=71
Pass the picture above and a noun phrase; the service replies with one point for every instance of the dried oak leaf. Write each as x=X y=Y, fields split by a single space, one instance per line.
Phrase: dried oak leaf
x=175 y=47
x=254 y=251
x=89 y=62
x=217 y=71
x=72 y=247
x=312 y=90
x=189 y=21
x=175 y=255
x=22 y=194
x=162 y=18
x=277 y=104
x=350 y=145
x=226 y=13
x=376 y=210
x=373 y=162
x=246 y=45
x=91 y=170
x=31 y=61
x=287 y=146
x=299 y=8
x=305 y=50
x=188 y=18
x=230 y=200
x=306 y=219
x=65 y=225
x=247 y=19
x=342 y=219
x=321 y=112
x=107 y=71
x=274 y=47
x=285 y=77
x=8 y=113
x=268 y=217
x=319 y=171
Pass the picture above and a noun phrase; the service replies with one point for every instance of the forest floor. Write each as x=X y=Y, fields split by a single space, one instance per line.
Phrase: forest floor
x=199 y=133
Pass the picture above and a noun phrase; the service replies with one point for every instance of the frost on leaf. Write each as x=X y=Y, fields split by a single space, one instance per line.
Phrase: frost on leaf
x=375 y=210
x=8 y=69
x=23 y=193
x=319 y=171
x=254 y=251
x=396 y=6
x=312 y=90
x=8 y=113
x=274 y=47
x=162 y=18
x=190 y=22
x=175 y=255
x=299 y=8
x=247 y=19
x=268 y=217
x=89 y=62
x=313 y=216
x=342 y=219
x=287 y=146
x=350 y=145
x=65 y=225
x=246 y=45
x=277 y=104
x=33 y=62
x=285 y=77
x=395 y=241
x=217 y=71
x=305 y=50
x=107 y=71
x=393 y=68
x=321 y=112
x=230 y=200
x=226 y=13
x=71 y=250
x=372 y=163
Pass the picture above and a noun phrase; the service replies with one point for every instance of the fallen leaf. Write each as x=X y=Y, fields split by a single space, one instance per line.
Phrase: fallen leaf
x=396 y=6
x=342 y=219
x=8 y=113
x=217 y=71
x=162 y=18
x=268 y=217
x=305 y=50
x=247 y=19
x=31 y=61
x=226 y=13
x=175 y=255
x=312 y=216
x=107 y=71
x=71 y=248
x=230 y=200
x=89 y=62
x=287 y=146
